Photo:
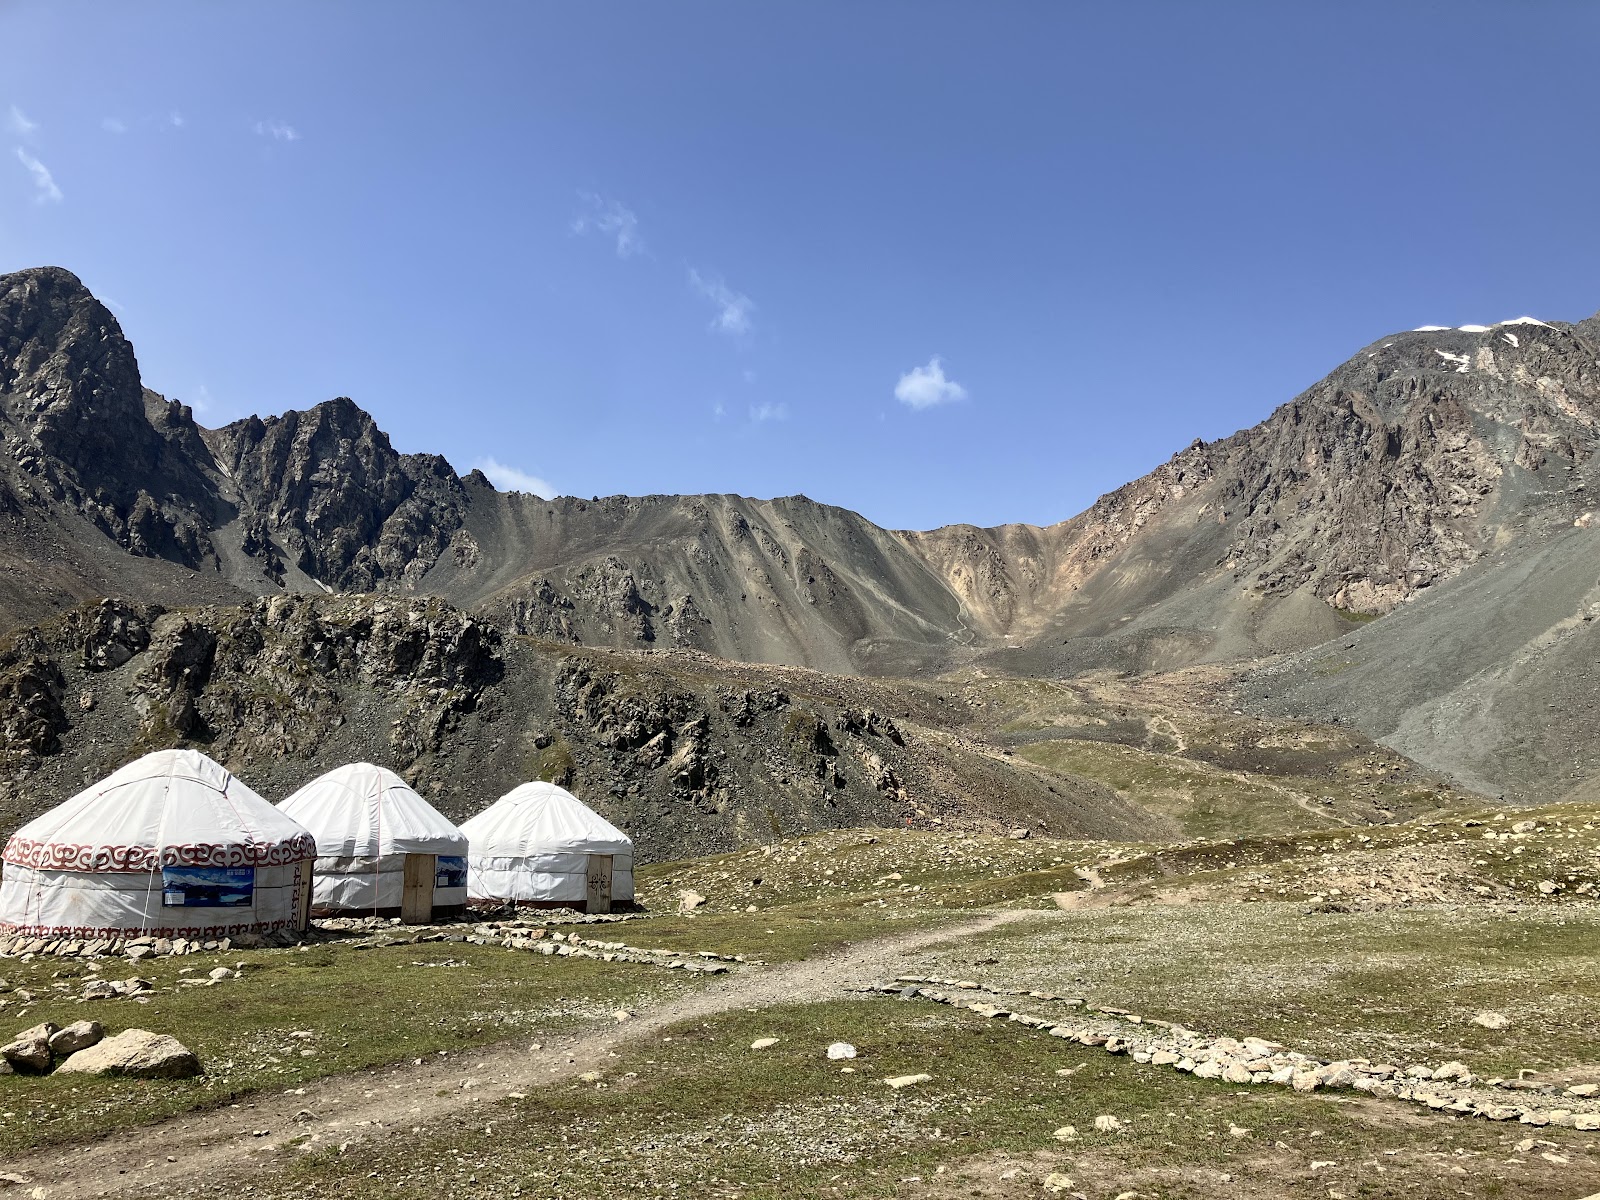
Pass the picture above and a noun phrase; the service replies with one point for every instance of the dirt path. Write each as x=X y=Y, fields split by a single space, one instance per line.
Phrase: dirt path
x=387 y=1101
x=1083 y=897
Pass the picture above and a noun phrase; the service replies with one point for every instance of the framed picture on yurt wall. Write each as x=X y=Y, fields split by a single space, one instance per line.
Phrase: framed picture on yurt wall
x=208 y=887
x=451 y=871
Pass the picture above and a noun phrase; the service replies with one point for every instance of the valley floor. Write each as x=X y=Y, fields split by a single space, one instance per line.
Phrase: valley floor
x=378 y=1066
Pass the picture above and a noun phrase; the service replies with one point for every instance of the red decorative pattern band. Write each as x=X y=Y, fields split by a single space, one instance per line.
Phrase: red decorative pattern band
x=58 y=856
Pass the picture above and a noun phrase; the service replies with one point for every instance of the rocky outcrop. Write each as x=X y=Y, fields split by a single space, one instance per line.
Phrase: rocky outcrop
x=73 y=413
x=31 y=693
x=1394 y=473
x=686 y=753
x=346 y=508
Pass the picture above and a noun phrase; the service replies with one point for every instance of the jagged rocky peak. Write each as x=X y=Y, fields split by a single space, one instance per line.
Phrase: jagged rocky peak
x=63 y=359
x=326 y=483
x=1398 y=469
x=77 y=422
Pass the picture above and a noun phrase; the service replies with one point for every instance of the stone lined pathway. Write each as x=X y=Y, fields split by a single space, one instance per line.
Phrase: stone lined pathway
x=1450 y=1087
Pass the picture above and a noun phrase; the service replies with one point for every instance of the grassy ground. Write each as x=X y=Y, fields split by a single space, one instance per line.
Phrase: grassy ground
x=1399 y=985
x=880 y=868
x=1212 y=801
x=361 y=1008
x=788 y=934
x=1163 y=745
x=694 y=1108
x=699 y=1112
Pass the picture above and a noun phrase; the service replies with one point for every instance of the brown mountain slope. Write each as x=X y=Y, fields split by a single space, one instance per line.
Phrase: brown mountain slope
x=685 y=752
x=1403 y=467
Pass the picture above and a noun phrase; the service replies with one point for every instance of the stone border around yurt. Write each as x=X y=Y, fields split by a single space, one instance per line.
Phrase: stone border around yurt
x=1255 y=1061
x=148 y=945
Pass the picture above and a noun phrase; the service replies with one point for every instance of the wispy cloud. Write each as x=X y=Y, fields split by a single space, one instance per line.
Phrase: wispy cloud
x=609 y=218
x=278 y=131
x=176 y=119
x=769 y=412
x=114 y=125
x=45 y=189
x=511 y=479
x=924 y=387
x=17 y=122
x=733 y=308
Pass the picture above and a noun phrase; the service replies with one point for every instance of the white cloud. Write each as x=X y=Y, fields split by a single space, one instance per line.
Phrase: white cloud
x=924 y=387
x=769 y=412
x=175 y=119
x=44 y=183
x=733 y=308
x=510 y=479
x=612 y=219
x=19 y=124
x=278 y=131
x=113 y=125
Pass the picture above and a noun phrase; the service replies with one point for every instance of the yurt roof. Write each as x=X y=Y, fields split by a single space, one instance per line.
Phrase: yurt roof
x=541 y=818
x=169 y=808
x=365 y=811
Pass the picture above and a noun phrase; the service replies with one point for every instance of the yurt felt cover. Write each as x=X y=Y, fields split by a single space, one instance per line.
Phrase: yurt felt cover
x=96 y=864
x=534 y=843
x=366 y=819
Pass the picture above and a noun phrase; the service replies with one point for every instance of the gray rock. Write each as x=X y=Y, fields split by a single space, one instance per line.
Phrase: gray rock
x=138 y=1053
x=80 y=1035
x=29 y=1051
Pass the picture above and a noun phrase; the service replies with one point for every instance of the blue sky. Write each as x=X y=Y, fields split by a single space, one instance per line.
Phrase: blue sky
x=931 y=261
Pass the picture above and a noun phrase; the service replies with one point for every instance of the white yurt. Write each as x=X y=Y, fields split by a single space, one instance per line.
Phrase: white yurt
x=381 y=849
x=540 y=845
x=171 y=845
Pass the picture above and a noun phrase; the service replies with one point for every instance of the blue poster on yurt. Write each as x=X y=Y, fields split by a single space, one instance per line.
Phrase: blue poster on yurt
x=450 y=872
x=207 y=887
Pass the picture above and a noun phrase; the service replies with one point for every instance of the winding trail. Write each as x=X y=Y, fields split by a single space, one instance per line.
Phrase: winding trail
x=393 y=1100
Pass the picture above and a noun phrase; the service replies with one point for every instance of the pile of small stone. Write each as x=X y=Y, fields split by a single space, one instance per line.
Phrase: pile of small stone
x=96 y=988
x=1449 y=1087
x=83 y=1048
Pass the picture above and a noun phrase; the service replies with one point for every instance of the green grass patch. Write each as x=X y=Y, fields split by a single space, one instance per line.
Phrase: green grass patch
x=361 y=1007
x=1399 y=985
x=695 y=1111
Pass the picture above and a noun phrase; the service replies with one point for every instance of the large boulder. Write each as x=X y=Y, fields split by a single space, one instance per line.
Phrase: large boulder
x=80 y=1035
x=30 y=1050
x=136 y=1052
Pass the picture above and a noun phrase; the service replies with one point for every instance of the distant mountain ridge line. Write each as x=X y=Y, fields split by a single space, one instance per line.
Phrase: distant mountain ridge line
x=1391 y=475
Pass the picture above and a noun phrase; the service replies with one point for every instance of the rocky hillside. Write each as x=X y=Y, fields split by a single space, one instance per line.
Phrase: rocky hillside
x=684 y=752
x=1454 y=461
x=1391 y=475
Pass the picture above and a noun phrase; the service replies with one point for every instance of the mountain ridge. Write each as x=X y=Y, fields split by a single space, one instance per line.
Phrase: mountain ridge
x=1427 y=458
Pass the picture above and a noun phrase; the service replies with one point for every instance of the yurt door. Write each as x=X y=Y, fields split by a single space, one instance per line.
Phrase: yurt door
x=416 y=898
x=302 y=896
x=599 y=883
